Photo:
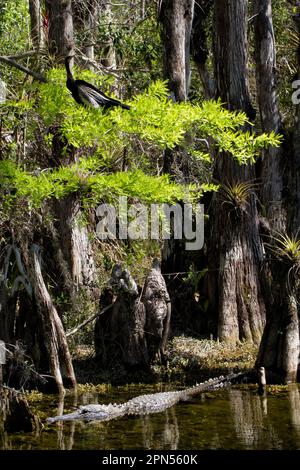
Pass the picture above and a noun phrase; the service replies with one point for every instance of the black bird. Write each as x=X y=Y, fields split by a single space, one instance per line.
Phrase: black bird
x=87 y=94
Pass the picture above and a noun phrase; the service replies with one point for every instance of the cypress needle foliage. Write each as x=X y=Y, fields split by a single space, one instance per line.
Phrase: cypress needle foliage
x=93 y=188
x=154 y=123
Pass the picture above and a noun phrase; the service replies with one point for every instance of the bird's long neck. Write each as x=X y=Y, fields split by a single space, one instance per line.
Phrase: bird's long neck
x=69 y=69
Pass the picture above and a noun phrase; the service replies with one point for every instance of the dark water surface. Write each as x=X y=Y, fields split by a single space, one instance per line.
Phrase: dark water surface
x=230 y=419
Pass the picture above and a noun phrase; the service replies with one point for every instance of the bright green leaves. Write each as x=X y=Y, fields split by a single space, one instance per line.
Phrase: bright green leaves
x=14 y=18
x=153 y=119
x=93 y=188
x=244 y=146
x=153 y=123
x=137 y=185
x=80 y=126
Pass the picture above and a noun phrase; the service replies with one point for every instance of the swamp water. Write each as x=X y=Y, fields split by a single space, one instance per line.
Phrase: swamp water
x=229 y=419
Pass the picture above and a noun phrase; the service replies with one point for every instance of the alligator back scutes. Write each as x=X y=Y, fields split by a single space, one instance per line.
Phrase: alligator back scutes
x=152 y=403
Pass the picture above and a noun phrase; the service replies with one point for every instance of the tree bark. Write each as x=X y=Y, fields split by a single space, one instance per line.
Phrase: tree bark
x=199 y=47
x=231 y=54
x=120 y=332
x=272 y=171
x=7 y=314
x=75 y=243
x=36 y=24
x=136 y=329
x=235 y=250
x=294 y=176
x=176 y=17
x=60 y=35
x=158 y=313
x=9 y=296
x=54 y=334
x=279 y=348
x=109 y=58
x=16 y=414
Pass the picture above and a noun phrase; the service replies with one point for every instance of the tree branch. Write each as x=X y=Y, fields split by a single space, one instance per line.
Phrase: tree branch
x=18 y=66
x=72 y=332
x=24 y=55
x=95 y=64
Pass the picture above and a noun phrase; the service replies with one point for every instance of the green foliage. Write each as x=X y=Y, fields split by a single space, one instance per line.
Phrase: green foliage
x=285 y=248
x=237 y=195
x=14 y=34
x=153 y=119
x=153 y=123
x=91 y=187
x=14 y=25
x=246 y=147
x=136 y=44
x=193 y=279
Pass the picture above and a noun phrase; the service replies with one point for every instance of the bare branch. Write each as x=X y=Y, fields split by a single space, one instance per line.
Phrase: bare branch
x=93 y=317
x=95 y=64
x=24 y=55
x=18 y=66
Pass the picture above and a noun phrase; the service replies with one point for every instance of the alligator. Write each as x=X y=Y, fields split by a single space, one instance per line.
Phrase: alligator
x=145 y=404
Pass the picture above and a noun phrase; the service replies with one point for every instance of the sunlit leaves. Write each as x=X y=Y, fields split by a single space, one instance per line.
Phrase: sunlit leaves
x=285 y=247
x=153 y=119
x=93 y=188
x=153 y=122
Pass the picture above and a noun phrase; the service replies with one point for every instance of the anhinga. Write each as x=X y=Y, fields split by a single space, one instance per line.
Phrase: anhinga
x=87 y=94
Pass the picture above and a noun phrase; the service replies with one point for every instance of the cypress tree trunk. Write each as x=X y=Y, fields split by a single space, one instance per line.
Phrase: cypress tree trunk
x=294 y=177
x=36 y=26
x=73 y=235
x=60 y=36
x=176 y=17
x=272 y=171
x=75 y=243
x=199 y=47
x=279 y=349
x=53 y=332
x=235 y=250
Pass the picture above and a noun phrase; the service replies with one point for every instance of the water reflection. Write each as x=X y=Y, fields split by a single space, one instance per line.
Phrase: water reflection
x=294 y=399
x=166 y=438
x=250 y=415
x=65 y=439
x=232 y=419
